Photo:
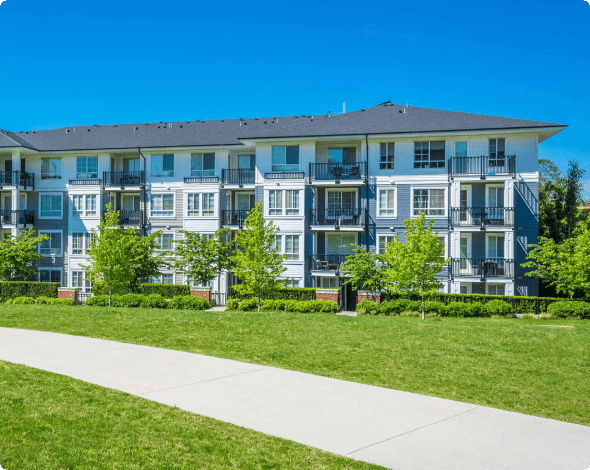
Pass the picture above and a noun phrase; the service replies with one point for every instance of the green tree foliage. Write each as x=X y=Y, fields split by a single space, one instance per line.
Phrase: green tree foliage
x=565 y=265
x=202 y=256
x=255 y=261
x=413 y=265
x=18 y=255
x=364 y=269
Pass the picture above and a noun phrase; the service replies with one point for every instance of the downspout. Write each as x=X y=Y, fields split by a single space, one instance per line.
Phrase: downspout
x=143 y=192
x=367 y=195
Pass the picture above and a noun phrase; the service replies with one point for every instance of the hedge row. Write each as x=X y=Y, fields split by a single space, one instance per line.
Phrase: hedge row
x=569 y=309
x=452 y=309
x=39 y=301
x=14 y=289
x=521 y=304
x=180 y=302
x=284 y=305
x=165 y=290
x=289 y=293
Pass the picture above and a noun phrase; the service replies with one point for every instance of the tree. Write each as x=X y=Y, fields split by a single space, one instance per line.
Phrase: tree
x=364 y=269
x=255 y=261
x=563 y=265
x=573 y=197
x=413 y=265
x=18 y=255
x=202 y=256
x=145 y=261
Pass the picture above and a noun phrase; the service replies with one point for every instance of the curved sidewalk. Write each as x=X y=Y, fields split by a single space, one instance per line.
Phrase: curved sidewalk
x=395 y=429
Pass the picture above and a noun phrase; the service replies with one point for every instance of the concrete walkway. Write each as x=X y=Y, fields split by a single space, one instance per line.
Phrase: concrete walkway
x=396 y=429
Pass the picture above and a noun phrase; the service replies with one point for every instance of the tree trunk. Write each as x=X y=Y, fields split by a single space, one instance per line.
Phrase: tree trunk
x=110 y=294
x=259 y=303
x=423 y=316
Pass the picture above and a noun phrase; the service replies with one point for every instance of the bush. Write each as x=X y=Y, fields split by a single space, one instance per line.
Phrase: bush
x=267 y=305
x=42 y=300
x=366 y=307
x=165 y=290
x=66 y=302
x=131 y=300
x=153 y=301
x=232 y=304
x=396 y=307
x=568 y=309
x=328 y=306
x=464 y=309
x=434 y=306
x=24 y=300
x=13 y=289
x=498 y=307
x=288 y=293
x=8 y=301
x=247 y=305
x=280 y=304
x=189 y=302
x=97 y=301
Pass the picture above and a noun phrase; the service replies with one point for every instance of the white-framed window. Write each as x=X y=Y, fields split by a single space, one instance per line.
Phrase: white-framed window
x=162 y=278
x=328 y=282
x=78 y=243
x=51 y=168
x=200 y=205
x=162 y=205
x=283 y=202
x=431 y=201
x=245 y=201
x=84 y=205
x=383 y=241
x=495 y=196
x=429 y=154
x=208 y=204
x=166 y=242
x=90 y=239
x=292 y=247
x=277 y=244
x=497 y=152
x=345 y=200
x=53 y=246
x=346 y=156
x=49 y=275
x=203 y=164
x=51 y=205
x=495 y=245
x=292 y=283
x=388 y=202
x=77 y=279
x=386 y=155
x=162 y=165
x=86 y=168
x=193 y=204
x=275 y=202
x=340 y=243
x=292 y=202
x=465 y=288
x=285 y=158
x=495 y=289
x=443 y=241
x=188 y=280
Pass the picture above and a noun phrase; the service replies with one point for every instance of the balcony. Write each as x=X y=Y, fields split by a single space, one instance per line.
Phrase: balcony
x=20 y=217
x=284 y=175
x=131 y=218
x=338 y=218
x=483 y=166
x=482 y=217
x=482 y=267
x=238 y=176
x=123 y=178
x=327 y=263
x=337 y=172
x=86 y=180
x=233 y=218
x=201 y=179
x=17 y=178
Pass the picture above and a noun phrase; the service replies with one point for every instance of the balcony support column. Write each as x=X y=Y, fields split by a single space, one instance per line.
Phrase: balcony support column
x=16 y=160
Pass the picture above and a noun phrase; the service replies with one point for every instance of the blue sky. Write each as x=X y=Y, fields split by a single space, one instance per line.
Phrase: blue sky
x=89 y=62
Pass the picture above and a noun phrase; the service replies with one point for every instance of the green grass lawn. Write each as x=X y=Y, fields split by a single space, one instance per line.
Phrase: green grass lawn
x=513 y=364
x=49 y=421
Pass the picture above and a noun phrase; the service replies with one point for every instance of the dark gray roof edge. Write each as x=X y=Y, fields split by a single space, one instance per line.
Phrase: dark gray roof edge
x=548 y=126
x=135 y=147
x=19 y=141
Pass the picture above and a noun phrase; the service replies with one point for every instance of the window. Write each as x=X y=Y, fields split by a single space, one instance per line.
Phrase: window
x=77 y=279
x=495 y=289
x=208 y=204
x=166 y=278
x=496 y=246
x=192 y=204
x=162 y=165
x=246 y=162
x=278 y=244
x=203 y=164
x=285 y=158
x=77 y=243
x=50 y=168
x=166 y=241
x=341 y=200
x=342 y=155
x=84 y=205
x=245 y=202
x=50 y=206
x=496 y=196
x=275 y=202
x=77 y=204
x=429 y=154
x=90 y=240
x=443 y=243
x=465 y=288
x=292 y=202
x=340 y=244
x=86 y=168
x=292 y=247
x=384 y=240
x=387 y=202
x=497 y=152
x=387 y=156
x=162 y=205
x=51 y=247
x=90 y=205
x=49 y=275
x=292 y=283
x=429 y=201
x=328 y=282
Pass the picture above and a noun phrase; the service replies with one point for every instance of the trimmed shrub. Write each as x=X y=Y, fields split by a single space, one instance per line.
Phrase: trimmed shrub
x=97 y=301
x=267 y=305
x=153 y=301
x=327 y=306
x=42 y=300
x=66 y=302
x=8 y=301
x=464 y=309
x=498 y=307
x=165 y=290
x=280 y=304
x=248 y=305
x=288 y=293
x=291 y=305
x=24 y=300
x=232 y=304
x=569 y=309
x=14 y=289
x=434 y=306
x=188 y=302
x=366 y=307
x=396 y=307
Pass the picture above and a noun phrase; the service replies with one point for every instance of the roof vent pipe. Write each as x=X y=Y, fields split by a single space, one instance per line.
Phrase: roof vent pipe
x=344 y=108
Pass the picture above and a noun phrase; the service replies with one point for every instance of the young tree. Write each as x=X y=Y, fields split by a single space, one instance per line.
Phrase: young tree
x=255 y=261
x=202 y=256
x=145 y=260
x=364 y=269
x=18 y=255
x=413 y=265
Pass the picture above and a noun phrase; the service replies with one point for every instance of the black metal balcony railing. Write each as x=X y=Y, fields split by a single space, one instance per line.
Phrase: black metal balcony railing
x=483 y=166
x=17 y=178
x=283 y=175
x=233 y=218
x=20 y=217
x=201 y=179
x=482 y=217
x=123 y=178
x=337 y=216
x=86 y=181
x=328 y=262
x=131 y=218
x=239 y=176
x=338 y=171
x=482 y=267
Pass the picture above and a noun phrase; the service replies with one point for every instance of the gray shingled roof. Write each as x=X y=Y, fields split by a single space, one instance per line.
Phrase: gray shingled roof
x=383 y=119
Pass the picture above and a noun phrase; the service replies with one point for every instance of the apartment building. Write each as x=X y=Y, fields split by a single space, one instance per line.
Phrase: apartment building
x=326 y=181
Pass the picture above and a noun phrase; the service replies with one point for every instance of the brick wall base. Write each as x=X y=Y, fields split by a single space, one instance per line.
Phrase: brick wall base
x=364 y=295
x=201 y=292
x=68 y=293
x=327 y=294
